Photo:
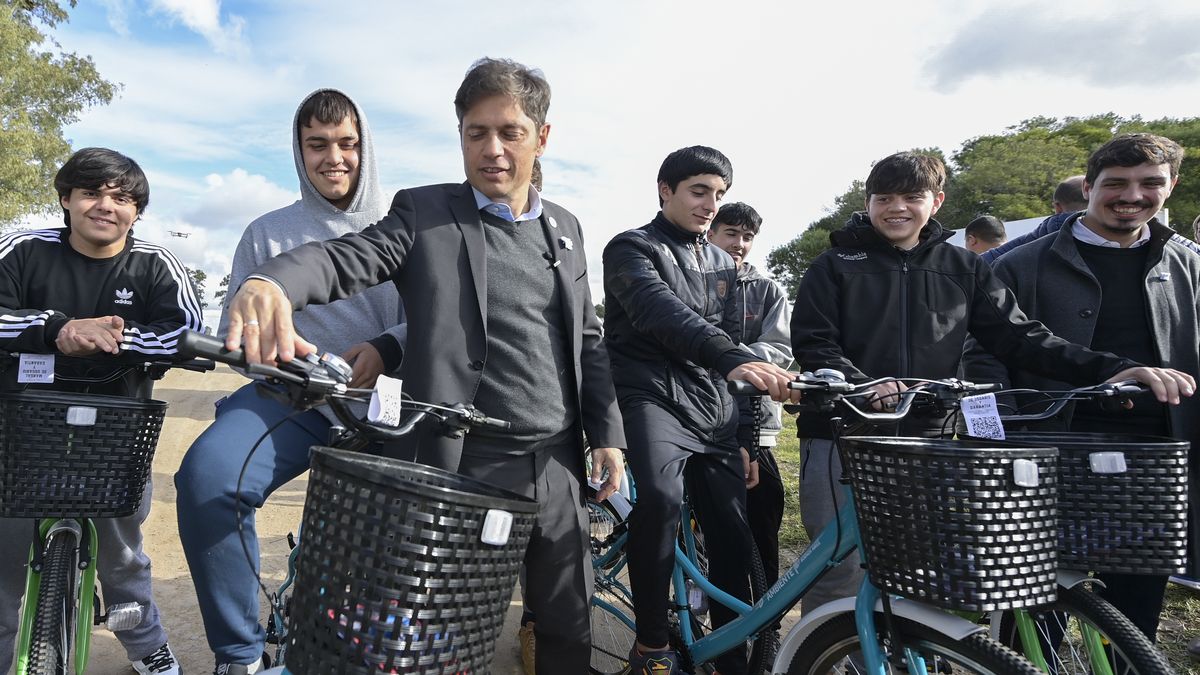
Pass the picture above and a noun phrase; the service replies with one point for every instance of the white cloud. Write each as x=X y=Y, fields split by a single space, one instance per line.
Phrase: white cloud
x=118 y=15
x=204 y=18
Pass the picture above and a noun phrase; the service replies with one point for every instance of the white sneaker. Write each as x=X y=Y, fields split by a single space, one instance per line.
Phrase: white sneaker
x=161 y=662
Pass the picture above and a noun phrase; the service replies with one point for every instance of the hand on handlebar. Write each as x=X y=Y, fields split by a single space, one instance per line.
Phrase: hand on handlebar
x=83 y=337
x=368 y=365
x=767 y=377
x=262 y=315
x=886 y=395
x=1167 y=384
x=612 y=460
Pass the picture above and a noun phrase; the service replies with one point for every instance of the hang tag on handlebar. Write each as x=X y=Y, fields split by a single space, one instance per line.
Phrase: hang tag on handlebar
x=982 y=416
x=386 y=402
x=36 y=369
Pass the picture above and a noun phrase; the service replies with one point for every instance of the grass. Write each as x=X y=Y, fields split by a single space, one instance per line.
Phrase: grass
x=1180 y=621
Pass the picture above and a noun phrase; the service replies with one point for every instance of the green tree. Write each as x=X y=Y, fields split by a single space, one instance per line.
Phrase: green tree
x=42 y=89
x=222 y=289
x=198 y=278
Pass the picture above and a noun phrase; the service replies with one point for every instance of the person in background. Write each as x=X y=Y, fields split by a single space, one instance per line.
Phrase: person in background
x=984 y=234
x=760 y=323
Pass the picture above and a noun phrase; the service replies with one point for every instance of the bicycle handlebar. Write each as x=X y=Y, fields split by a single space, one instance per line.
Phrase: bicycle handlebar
x=313 y=379
x=1124 y=388
x=831 y=387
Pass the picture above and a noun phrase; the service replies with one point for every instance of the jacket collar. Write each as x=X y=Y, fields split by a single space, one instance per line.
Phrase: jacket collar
x=859 y=233
x=1065 y=247
x=676 y=233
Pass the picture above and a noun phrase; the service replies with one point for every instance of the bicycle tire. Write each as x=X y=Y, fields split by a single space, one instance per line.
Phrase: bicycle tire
x=611 y=604
x=831 y=644
x=762 y=648
x=54 y=617
x=1128 y=650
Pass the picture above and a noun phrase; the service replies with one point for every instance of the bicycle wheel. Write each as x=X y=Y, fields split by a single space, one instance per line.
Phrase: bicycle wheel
x=829 y=648
x=612 y=599
x=1061 y=629
x=762 y=647
x=54 y=617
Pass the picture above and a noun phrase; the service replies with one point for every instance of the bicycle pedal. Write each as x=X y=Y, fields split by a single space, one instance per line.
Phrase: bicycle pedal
x=124 y=616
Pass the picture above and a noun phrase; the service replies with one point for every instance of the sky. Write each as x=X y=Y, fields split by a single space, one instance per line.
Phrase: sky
x=802 y=97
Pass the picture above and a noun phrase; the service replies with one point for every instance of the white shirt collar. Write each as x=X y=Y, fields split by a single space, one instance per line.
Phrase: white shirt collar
x=1082 y=233
x=504 y=211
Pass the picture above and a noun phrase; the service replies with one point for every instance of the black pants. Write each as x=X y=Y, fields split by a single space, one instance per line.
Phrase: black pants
x=558 y=566
x=764 y=503
x=1138 y=596
x=659 y=450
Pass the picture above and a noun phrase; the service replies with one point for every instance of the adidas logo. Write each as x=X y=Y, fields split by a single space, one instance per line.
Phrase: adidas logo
x=124 y=297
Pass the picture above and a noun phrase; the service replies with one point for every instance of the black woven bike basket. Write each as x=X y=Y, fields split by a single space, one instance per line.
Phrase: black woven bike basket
x=75 y=455
x=393 y=576
x=945 y=522
x=1132 y=522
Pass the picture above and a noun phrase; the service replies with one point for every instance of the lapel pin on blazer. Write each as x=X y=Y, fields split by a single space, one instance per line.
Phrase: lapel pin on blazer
x=566 y=243
x=552 y=221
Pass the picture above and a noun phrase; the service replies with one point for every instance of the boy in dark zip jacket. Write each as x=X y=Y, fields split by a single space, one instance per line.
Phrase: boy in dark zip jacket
x=666 y=296
x=893 y=299
x=761 y=313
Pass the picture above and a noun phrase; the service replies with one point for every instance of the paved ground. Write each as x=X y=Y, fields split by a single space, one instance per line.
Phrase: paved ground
x=191 y=396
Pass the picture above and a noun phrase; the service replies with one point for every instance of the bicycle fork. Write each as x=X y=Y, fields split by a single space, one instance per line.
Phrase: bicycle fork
x=83 y=601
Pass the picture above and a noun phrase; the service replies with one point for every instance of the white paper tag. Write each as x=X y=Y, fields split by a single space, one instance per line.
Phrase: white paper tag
x=36 y=369
x=982 y=416
x=386 y=402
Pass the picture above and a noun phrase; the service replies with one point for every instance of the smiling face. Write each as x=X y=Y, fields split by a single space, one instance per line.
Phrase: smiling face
x=733 y=239
x=499 y=144
x=1124 y=198
x=331 y=159
x=100 y=219
x=899 y=218
x=693 y=203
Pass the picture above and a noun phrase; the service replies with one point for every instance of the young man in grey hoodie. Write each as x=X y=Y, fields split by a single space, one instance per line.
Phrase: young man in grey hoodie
x=760 y=323
x=339 y=193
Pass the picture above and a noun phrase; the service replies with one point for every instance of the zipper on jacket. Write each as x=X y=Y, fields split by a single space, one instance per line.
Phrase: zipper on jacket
x=904 y=336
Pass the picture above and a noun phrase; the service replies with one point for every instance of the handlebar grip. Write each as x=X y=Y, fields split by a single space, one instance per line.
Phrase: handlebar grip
x=492 y=422
x=195 y=344
x=743 y=388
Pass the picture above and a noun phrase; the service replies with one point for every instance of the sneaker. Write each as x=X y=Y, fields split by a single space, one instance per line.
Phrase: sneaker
x=653 y=663
x=241 y=668
x=1193 y=648
x=160 y=662
x=528 y=647
x=1186 y=581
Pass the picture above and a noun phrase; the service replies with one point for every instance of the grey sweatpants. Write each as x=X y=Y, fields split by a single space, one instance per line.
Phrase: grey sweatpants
x=818 y=508
x=122 y=567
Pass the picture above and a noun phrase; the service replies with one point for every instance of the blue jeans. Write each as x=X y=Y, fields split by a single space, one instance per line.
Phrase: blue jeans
x=209 y=507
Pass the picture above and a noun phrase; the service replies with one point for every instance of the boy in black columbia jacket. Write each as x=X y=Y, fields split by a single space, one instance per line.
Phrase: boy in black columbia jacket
x=893 y=299
x=666 y=294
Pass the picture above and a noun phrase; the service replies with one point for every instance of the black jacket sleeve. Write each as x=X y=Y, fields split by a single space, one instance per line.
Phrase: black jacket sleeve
x=1003 y=330
x=24 y=329
x=816 y=321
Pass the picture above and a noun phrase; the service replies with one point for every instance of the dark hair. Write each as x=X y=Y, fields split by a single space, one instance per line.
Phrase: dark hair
x=696 y=160
x=738 y=214
x=504 y=77
x=906 y=172
x=1070 y=193
x=327 y=107
x=1132 y=150
x=95 y=168
x=986 y=228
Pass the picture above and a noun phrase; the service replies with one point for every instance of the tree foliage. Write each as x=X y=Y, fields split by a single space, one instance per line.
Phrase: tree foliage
x=198 y=277
x=42 y=89
x=1011 y=175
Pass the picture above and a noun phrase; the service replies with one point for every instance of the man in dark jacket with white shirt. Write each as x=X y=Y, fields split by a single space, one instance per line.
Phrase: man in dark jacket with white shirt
x=1117 y=280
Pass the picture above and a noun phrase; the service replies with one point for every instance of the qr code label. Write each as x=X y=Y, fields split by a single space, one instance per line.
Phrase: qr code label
x=982 y=417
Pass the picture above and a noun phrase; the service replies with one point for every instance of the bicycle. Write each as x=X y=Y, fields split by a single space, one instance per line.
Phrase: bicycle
x=1080 y=632
x=77 y=456
x=382 y=574
x=892 y=633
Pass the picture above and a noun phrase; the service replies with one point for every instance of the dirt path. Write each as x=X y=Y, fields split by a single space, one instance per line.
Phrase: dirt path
x=191 y=396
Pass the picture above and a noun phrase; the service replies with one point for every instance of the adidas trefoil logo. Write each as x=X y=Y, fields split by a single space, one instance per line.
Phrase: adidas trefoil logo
x=124 y=297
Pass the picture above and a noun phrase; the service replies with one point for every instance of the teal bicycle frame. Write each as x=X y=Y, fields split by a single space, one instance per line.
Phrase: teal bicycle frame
x=837 y=541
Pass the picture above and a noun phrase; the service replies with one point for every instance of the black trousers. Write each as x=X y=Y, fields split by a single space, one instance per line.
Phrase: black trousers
x=558 y=587
x=661 y=455
x=764 y=503
x=1138 y=596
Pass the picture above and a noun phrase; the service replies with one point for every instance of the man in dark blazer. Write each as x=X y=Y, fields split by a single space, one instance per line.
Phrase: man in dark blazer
x=495 y=283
